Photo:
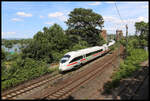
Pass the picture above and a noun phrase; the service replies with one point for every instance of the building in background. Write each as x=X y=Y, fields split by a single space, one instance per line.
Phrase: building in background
x=119 y=34
x=104 y=34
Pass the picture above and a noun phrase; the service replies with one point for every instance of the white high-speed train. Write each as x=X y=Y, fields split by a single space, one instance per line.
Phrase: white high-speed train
x=75 y=58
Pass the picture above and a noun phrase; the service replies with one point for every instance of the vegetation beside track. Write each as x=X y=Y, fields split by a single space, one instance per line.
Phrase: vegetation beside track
x=127 y=67
x=134 y=55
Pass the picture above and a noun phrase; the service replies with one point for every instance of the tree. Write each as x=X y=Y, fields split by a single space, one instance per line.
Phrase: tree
x=3 y=54
x=86 y=24
x=8 y=44
x=48 y=44
x=141 y=27
x=80 y=45
x=142 y=31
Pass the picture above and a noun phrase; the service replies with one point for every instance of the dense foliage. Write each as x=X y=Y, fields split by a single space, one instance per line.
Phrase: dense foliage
x=21 y=70
x=51 y=44
x=47 y=44
x=87 y=25
x=131 y=63
x=142 y=32
x=8 y=43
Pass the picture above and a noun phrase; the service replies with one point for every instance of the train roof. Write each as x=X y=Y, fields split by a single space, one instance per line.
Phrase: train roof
x=84 y=51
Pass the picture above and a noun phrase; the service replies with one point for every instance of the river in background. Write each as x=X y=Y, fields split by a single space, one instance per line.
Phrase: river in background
x=12 y=50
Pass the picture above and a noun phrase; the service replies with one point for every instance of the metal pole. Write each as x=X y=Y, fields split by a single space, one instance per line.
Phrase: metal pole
x=117 y=33
x=127 y=34
x=126 y=38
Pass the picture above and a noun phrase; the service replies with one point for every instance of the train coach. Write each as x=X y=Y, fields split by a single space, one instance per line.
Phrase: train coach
x=76 y=58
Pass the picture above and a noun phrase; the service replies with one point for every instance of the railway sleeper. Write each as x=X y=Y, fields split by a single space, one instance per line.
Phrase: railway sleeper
x=4 y=97
x=59 y=93
x=62 y=91
x=30 y=87
x=8 y=96
x=13 y=94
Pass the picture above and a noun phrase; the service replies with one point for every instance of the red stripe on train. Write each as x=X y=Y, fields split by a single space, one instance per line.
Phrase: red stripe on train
x=98 y=53
x=83 y=59
x=72 y=63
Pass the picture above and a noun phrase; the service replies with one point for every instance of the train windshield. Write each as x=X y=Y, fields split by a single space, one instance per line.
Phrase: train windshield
x=65 y=58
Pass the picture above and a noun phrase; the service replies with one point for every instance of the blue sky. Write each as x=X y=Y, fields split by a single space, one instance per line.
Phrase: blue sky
x=25 y=19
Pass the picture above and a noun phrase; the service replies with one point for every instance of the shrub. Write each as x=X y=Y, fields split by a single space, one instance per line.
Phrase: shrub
x=22 y=70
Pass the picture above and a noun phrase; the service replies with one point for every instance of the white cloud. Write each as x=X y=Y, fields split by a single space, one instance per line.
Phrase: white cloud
x=108 y=18
x=111 y=19
x=141 y=18
x=58 y=15
x=41 y=16
x=16 y=19
x=94 y=3
x=8 y=33
x=137 y=2
x=127 y=21
x=145 y=6
x=126 y=2
x=63 y=18
x=23 y=14
x=113 y=23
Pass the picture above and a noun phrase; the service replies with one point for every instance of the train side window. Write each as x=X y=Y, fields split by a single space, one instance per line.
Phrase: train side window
x=76 y=59
x=100 y=50
x=88 y=54
x=94 y=52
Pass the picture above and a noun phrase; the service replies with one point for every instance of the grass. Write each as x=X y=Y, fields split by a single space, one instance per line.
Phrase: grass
x=53 y=69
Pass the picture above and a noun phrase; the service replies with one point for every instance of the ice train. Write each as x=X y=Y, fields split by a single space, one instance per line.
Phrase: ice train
x=74 y=59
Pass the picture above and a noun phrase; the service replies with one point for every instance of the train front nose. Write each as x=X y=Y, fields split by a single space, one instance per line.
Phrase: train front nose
x=61 y=67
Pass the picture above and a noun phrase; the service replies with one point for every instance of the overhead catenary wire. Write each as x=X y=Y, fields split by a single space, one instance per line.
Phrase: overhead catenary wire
x=118 y=12
x=119 y=38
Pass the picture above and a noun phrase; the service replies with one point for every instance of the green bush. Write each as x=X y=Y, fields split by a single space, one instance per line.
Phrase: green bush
x=131 y=63
x=22 y=70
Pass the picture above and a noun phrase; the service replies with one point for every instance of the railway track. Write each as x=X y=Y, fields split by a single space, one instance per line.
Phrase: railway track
x=28 y=87
x=23 y=89
x=14 y=93
x=68 y=86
